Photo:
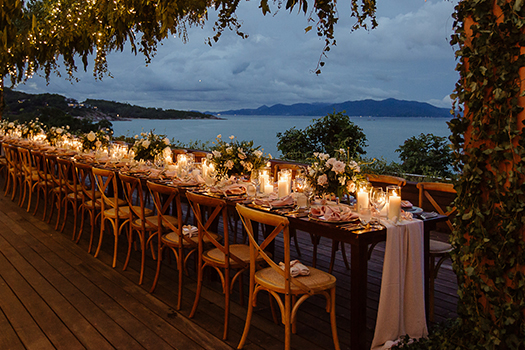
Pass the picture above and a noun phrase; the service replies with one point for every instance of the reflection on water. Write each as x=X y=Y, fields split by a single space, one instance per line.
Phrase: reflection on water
x=384 y=134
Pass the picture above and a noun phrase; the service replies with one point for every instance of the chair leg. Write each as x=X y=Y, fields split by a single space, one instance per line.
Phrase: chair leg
x=248 y=318
x=333 y=320
x=226 y=289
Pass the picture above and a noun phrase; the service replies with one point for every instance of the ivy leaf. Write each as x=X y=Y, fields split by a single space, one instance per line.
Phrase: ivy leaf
x=467 y=216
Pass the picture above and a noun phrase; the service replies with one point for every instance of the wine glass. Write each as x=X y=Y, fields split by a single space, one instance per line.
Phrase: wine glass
x=378 y=199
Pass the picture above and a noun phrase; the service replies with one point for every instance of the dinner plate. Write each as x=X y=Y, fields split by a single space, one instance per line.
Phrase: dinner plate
x=318 y=218
x=413 y=210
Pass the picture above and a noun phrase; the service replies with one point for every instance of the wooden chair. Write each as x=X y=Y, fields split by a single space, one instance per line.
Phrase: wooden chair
x=140 y=220
x=3 y=163
x=277 y=281
x=91 y=202
x=383 y=181
x=430 y=191
x=28 y=176
x=222 y=257
x=163 y=198
x=57 y=188
x=114 y=209
x=13 y=170
x=44 y=183
x=72 y=193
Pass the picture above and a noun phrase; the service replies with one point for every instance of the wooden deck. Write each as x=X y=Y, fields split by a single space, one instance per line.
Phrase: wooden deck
x=54 y=295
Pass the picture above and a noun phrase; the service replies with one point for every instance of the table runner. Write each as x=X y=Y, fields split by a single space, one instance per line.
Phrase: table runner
x=402 y=301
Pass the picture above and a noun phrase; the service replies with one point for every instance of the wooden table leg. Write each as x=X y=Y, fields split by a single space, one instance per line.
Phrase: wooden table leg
x=359 y=277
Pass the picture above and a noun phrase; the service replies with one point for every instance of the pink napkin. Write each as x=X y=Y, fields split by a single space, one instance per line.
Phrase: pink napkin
x=296 y=268
x=273 y=201
x=184 y=182
x=154 y=173
x=333 y=213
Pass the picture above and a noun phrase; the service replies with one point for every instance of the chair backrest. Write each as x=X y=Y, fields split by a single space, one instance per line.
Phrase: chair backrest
x=67 y=176
x=206 y=211
x=52 y=168
x=432 y=191
x=40 y=165
x=163 y=198
x=250 y=216
x=26 y=163
x=107 y=184
x=134 y=195
x=280 y=166
x=385 y=180
x=11 y=154
x=86 y=180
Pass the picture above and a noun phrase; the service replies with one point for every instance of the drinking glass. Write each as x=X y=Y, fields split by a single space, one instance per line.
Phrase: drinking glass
x=378 y=199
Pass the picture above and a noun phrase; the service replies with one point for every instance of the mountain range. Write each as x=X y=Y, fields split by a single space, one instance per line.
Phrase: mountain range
x=365 y=108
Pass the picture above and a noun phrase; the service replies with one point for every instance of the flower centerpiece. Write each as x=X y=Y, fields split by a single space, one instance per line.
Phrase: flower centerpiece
x=32 y=128
x=150 y=145
x=55 y=135
x=336 y=175
x=96 y=140
x=236 y=157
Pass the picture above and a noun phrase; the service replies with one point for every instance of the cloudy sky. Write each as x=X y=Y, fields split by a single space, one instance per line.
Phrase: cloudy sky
x=407 y=57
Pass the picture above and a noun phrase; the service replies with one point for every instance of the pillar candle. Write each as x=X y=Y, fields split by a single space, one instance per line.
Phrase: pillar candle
x=394 y=206
x=362 y=201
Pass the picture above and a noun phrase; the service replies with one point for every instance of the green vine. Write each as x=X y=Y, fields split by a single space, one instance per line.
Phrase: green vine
x=489 y=246
x=488 y=142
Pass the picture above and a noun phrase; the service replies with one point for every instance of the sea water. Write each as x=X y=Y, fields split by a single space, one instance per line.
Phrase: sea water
x=384 y=134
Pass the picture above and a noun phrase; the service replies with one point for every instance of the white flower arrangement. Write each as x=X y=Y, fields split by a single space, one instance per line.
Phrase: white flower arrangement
x=334 y=175
x=236 y=157
x=150 y=145
x=96 y=140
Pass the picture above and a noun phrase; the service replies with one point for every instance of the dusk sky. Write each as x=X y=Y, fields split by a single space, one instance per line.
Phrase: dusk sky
x=407 y=57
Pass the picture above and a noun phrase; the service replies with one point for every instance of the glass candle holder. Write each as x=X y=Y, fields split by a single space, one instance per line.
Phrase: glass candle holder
x=394 y=202
x=264 y=179
x=284 y=183
x=363 y=192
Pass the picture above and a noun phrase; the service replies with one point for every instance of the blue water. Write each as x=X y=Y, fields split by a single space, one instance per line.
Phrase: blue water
x=384 y=134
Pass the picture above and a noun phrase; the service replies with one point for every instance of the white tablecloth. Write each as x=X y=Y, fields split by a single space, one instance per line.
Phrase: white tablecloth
x=402 y=301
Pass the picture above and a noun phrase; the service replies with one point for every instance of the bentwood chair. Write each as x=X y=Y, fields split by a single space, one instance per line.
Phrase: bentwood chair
x=44 y=183
x=13 y=170
x=163 y=198
x=72 y=193
x=29 y=176
x=91 y=200
x=3 y=163
x=140 y=217
x=277 y=281
x=223 y=257
x=430 y=192
x=114 y=210
x=57 y=188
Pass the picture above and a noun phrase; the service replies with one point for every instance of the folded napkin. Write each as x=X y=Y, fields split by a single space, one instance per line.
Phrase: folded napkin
x=154 y=173
x=229 y=190
x=184 y=182
x=273 y=201
x=296 y=268
x=190 y=230
x=333 y=213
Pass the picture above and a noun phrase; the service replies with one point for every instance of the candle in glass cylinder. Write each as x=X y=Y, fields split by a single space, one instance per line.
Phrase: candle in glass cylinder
x=268 y=187
x=283 y=184
x=263 y=180
x=363 y=190
x=394 y=202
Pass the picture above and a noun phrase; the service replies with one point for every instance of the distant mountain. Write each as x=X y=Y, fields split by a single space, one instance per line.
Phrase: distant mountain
x=366 y=108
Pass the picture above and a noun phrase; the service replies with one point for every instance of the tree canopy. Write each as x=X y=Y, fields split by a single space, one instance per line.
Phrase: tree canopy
x=327 y=134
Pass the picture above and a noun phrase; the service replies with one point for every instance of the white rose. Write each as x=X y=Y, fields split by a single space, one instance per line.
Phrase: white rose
x=11 y=125
x=339 y=167
x=242 y=155
x=258 y=153
x=98 y=144
x=59 y=130
x=219 y=136
x=322 y=180
x=216 y=154
x=229 y=164
x=91 y=136
x=229 y=150
x=166 y=141
x=145 y=143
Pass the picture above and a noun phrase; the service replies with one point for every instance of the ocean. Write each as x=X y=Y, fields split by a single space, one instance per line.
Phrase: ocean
x=384 y=134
